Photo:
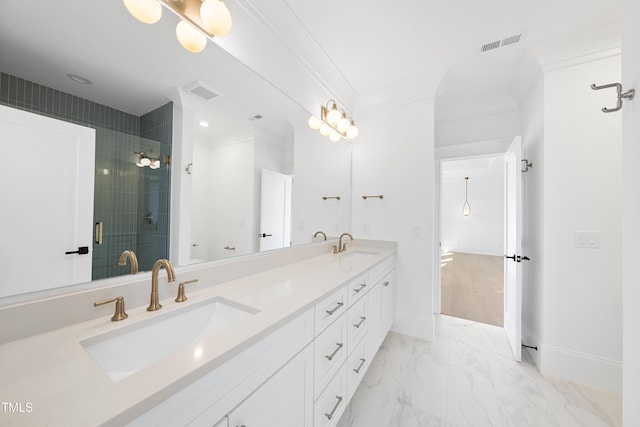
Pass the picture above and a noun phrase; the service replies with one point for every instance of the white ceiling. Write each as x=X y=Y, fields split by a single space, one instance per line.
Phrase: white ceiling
x=370 y=50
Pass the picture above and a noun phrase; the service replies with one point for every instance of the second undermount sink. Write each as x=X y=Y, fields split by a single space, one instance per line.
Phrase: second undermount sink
x=127 y=350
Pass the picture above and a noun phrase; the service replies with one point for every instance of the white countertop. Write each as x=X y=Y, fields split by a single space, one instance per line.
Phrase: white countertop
x=53 y=375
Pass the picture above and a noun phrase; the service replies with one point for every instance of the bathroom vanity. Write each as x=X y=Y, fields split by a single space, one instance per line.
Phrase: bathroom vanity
x=275 y=339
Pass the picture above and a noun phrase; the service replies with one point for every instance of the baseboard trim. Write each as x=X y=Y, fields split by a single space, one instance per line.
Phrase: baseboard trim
x=581 y=368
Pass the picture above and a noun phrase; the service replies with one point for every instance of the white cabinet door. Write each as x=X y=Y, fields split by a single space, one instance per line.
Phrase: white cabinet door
x=388 y=303
x=374 y=299
x=284 y=400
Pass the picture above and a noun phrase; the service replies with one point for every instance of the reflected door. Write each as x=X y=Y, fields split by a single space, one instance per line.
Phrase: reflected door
x=50 y=212
x=513 y=248
x=275 y=211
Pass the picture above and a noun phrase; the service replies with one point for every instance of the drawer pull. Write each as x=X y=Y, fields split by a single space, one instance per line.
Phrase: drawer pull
x=339 y=304
x=386 y=283
x=362 y=286
x=339 y=344
x=362 y=319
x=335 y=408
x=357 y=370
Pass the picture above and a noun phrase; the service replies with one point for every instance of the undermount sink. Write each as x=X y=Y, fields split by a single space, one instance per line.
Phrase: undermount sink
x=127 y=350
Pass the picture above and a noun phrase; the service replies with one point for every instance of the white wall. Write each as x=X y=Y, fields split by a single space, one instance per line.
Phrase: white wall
x=223 y=201
x=393 y=156
x=483 y=231
x=582 y=301
x=631 y=207
x=322 y=168
x=532 y=110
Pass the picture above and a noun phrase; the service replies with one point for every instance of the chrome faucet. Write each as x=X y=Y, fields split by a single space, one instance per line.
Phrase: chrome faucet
x=320 y=232
x=171 y=276
x=132 y=258
x=343 y=246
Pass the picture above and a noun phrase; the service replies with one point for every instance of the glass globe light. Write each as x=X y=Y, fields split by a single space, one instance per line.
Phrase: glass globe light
x=352 y=132
x=145 y=161
x=314 y=123
x=324 y=129
x=216 y=18
x=333 y=116
x=343 y=124
x=334 y=136
x=190 y=38
x=146 y=11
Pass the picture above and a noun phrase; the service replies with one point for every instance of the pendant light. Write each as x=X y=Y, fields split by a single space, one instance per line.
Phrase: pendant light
x=466 y=208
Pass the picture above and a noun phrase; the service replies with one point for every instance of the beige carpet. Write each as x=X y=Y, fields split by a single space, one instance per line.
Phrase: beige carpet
x=472 y=287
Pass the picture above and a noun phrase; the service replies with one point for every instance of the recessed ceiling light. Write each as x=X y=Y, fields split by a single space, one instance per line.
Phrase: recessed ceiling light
x=204 y=124
x=79 y=79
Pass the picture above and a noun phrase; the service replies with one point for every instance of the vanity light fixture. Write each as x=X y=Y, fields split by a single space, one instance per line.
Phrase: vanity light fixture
x=199 y=19
x=466 y=208
x=145 y=160
x=334 y=123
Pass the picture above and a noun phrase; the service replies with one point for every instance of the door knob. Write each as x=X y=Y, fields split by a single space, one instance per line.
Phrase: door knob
x=511 y=257
x=265 y=235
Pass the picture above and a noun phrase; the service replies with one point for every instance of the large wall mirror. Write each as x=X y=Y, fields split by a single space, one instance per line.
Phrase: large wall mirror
x=145 y=85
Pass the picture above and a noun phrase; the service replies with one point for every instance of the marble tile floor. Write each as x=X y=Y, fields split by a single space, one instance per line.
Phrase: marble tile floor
x=467 y=377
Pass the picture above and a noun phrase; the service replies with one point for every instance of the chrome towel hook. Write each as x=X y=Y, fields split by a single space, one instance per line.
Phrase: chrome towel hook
x=627 y=95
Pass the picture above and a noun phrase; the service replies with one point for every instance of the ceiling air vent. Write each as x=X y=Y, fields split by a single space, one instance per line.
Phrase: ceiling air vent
x=201 y=90
x=511 y=40
x=490 y=46
x=501 y=43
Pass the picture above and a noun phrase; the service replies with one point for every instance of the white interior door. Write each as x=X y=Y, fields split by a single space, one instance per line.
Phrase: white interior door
x=513 y=248
x=275 y=211
x=50 y=212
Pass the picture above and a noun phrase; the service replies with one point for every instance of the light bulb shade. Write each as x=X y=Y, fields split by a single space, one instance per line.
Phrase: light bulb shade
x=334 y=136
x=352 y=132
x=216 y=18
x=343 y=124
x=324 y=129
x=155 y=164
x=190 y=38
x=333 y=116
x=466 y=209
x=147 y=11
x=314 y=123
x=145 y=161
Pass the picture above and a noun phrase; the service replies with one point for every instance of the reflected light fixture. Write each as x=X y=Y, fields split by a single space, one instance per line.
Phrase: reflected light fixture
x=334 y=123
x=145 y=160
x=199 y=19
x=466 y=208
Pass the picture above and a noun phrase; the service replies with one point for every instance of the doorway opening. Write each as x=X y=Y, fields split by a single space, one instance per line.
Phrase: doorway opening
x=472 y=241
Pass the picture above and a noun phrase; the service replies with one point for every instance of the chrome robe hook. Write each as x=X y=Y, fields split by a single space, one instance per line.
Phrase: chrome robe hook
x=627 y=95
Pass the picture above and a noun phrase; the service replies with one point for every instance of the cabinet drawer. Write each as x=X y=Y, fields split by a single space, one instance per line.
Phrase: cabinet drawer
x=357 y=364
x=357 y=322
x=330 y=405
x=330 y=353
x=357 y=288
x=329 y=309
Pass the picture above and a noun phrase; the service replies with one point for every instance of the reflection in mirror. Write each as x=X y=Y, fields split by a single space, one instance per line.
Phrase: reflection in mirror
x=139 y=80
x=233 y=213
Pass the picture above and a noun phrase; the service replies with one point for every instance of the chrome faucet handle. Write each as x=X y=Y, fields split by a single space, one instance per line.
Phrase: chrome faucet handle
x=119 y=313
x=181 y=296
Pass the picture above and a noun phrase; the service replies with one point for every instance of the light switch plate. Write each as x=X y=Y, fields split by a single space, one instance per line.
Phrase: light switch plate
x=588 y=239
